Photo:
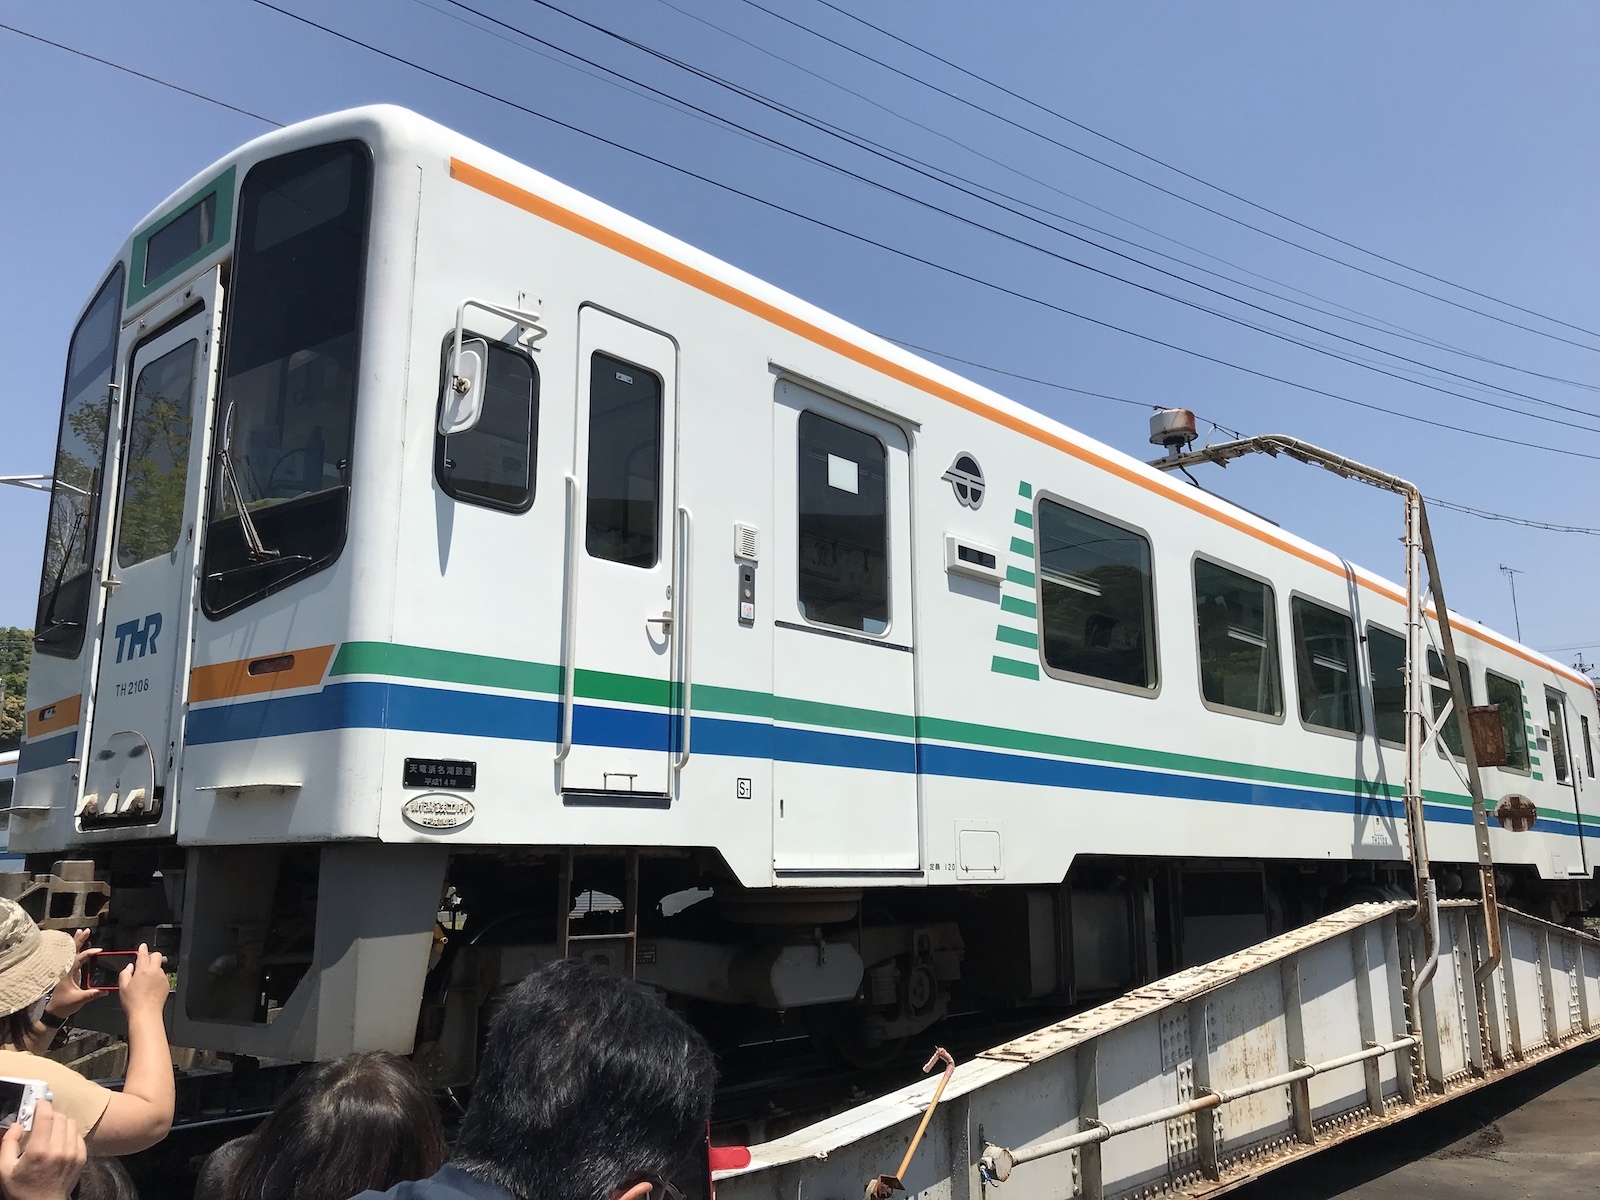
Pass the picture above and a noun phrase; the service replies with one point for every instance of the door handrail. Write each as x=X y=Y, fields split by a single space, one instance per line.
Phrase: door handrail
x=569 y=623
x=680 y=606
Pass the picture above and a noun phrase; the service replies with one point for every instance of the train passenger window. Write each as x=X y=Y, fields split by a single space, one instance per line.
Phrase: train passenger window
x=1097 y=610
x=64 y=581
x=156 y=475
x=1238 y=630
x=1386 y=659
x=493 y=463
x=1558 y=736
x=280 y=474
x=1506 y=694
x=1441 y=697
x=1325 y=667
x=624 y=505
x=1588 y=746
x=844 y=525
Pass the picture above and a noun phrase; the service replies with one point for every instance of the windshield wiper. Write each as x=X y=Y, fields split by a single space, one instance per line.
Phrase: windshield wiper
x=256 y=548
x=50 y=621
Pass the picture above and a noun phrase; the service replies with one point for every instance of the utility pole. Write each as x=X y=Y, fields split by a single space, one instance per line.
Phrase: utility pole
x=1511 y=574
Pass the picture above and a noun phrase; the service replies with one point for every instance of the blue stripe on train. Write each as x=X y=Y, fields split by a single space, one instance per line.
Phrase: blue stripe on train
x=376 y=705
x=47 y=752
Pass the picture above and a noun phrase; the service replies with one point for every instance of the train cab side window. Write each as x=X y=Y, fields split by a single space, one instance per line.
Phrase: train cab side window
x=843 y=543
x=1588 y=747
x=1441 y=697
x=71 y=527
x=1386 y=660
x=1506 y=694
x=1556 y=714
x=624 y=505
x=493 y=463
x=1097 y=593
x=1238 y=630
x=1326 y=668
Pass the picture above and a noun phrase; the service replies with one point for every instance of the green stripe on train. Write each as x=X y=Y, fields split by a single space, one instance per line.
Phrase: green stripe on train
x=449 y=666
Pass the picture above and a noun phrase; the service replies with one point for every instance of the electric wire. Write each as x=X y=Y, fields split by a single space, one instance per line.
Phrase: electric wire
x=1365 y=320
x=908 y=255
x=106 y=62
x=1208 y=184
x=1061 y=257
x=1373 y=322
x=1467 y=509
x=1180 y=196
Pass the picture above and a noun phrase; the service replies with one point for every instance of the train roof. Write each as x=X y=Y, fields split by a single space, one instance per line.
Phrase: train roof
x=392 y=128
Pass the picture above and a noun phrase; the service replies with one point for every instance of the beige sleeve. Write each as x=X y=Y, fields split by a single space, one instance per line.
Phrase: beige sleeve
x=81 y=1099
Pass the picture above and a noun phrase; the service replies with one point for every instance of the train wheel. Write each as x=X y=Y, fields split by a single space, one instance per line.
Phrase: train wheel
x=842 y=1034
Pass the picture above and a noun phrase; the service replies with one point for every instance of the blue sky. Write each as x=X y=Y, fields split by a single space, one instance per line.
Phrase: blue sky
x=1460 y=139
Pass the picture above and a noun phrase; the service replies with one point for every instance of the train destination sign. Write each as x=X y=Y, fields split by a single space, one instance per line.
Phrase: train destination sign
x=450 y=774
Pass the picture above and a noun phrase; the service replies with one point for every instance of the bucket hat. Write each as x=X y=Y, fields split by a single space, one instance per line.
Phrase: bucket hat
x=32 y=960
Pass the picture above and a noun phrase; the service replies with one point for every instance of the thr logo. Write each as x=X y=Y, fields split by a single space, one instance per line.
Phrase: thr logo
x=138 y=636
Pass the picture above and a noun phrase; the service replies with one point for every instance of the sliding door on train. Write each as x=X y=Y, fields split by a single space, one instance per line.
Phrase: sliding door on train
x=622 y=644
x=149 y=573
x=845 y=795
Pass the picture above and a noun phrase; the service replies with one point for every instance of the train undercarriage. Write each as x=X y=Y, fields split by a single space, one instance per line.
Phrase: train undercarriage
x=309 y=951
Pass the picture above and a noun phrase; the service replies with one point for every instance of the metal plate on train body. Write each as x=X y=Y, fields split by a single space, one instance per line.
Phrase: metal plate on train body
x=448 y=774
x=438 y=810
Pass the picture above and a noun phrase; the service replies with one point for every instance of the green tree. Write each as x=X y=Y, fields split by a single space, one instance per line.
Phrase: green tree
x=16 y=648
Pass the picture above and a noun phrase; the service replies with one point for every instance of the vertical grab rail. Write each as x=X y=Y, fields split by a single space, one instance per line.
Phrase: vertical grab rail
x=680 y=622
x=569 y=621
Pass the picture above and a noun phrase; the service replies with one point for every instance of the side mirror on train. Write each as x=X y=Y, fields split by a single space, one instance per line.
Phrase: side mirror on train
x=462 y=402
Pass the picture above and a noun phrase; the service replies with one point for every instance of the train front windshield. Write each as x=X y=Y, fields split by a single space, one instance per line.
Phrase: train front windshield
x=280 y=477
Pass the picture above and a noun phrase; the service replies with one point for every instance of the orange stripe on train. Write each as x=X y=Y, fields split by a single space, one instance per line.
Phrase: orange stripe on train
x=500 y=189
x=264 y=673
x=52 y=718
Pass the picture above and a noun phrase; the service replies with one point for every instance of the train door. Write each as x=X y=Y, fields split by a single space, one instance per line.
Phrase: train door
x=142 y=673
x=844 y=758
x=621 y=643
x=1563 y=766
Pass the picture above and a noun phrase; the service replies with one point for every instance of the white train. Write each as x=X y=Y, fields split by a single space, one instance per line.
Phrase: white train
x=429 y=538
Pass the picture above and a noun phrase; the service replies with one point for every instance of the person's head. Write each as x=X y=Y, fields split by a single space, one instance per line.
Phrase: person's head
x=589 y=1089
x=365 y=1121
x=32 y=962
x=105 y=1179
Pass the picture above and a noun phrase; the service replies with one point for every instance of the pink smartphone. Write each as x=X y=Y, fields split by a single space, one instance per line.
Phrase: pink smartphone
x=104 y=966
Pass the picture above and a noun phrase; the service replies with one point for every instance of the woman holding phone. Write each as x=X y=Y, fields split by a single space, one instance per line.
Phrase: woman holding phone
x=40 y=990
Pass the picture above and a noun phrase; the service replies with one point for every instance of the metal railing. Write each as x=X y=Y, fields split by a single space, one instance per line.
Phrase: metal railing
x=1221 y=1070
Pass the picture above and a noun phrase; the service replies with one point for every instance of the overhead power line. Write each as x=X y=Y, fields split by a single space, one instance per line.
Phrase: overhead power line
x=1361 y=318
x=1467 y=509
x=1218 y=188
x=909 y=256
x=1176 y=195
x=912 y=346
x=899 y=193
x=106 y=62
x=792 y=213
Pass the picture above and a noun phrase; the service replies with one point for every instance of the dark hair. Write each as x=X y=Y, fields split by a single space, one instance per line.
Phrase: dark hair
x=588 y=1083
x=16 y=1028
x=362 y=1122
x=105 y=1179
